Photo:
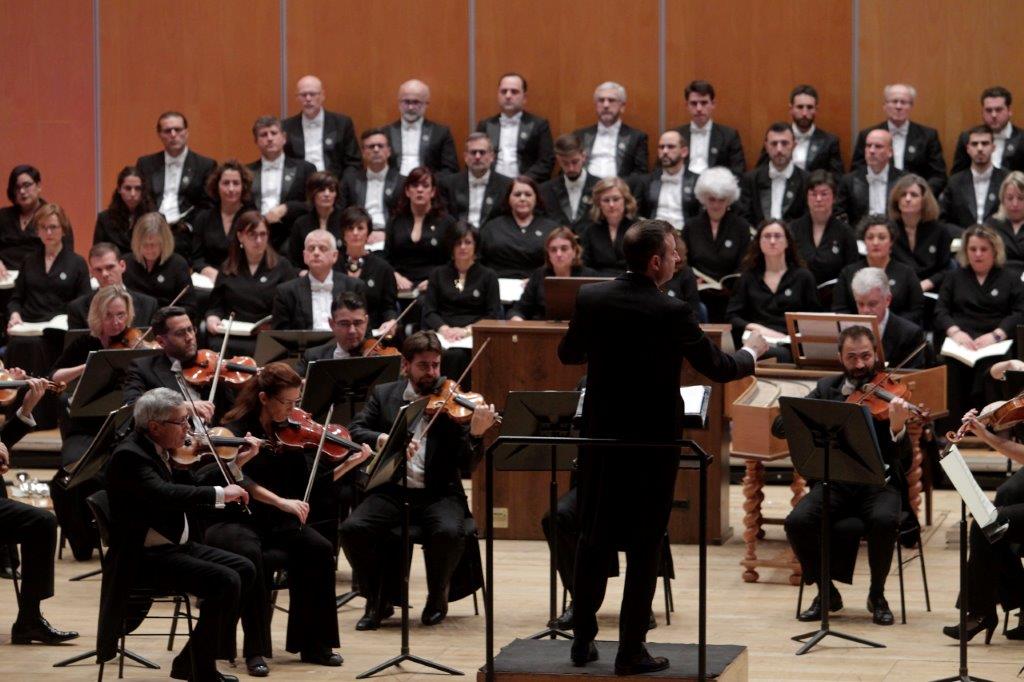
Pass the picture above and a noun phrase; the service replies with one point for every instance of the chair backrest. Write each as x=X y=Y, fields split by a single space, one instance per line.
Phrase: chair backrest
x=99 y=505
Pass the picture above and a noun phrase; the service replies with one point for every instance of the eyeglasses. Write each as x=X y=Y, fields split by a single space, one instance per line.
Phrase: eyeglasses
x=172 y=129
x=286 y=402
x=181 y=423
x=116 y=317
x=478 y=152
x=346 y=324
x=49 y=228
x=26 y=185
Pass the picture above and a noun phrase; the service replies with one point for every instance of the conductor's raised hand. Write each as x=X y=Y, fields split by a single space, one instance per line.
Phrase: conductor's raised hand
x=756 y=343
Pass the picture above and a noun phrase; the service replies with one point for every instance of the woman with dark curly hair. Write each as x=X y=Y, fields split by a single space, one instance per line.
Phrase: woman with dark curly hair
x=230 y=187
x=129 y=202
x=414 y=237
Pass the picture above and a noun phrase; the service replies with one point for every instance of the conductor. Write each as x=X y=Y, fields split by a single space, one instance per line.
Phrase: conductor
x=626 y=495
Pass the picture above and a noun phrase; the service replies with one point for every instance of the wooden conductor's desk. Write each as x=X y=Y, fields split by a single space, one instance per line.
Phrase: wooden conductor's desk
x=523 y=356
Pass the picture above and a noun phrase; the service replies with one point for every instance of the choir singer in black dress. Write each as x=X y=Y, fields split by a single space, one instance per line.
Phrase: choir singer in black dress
x=825 y=242
x=624 y=505
x=414 y=237
x=376 y=273
x=153 y=267
x=230 y=187
x=614 y=210
x=513 y=243
x=131 y=200
x=563 y=256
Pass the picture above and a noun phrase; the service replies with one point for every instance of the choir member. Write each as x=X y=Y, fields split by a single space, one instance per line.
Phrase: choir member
x=614 y=210
x=176 y=177
x=683 y=284
x=1009 y=218
x=815 y=148
x=922 y=241
x=278 y=182
x=322 y=195
x=376 y=273
x=153 y=267
x=613 y=148
x=416 y=141
x=824 y=241
x=971 y=195
x=305 y=301
x=377 y=184
x=522 y=140
x=475 y=194
x=777 y=190
x=131 y=200
x=900 y=336
x=668 y=193
x=230 y=187
x=996 y=111
x=107 y=266
x=711 y=144
x=865 y=189
x=512 y=244
x=414 y=237
x=326 y=139
x=568 y=195
x=563 y=257
x=17 y=233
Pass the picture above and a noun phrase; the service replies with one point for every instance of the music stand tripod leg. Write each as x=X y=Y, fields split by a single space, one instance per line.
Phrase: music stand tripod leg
x=551 y=631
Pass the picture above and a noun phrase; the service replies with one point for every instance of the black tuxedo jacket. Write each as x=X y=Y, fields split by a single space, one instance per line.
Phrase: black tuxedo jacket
x=1013 y=153
x=853 y=196
x=455 y=189
x=353 y=188
x=155 y=372
x=630 y=149
x=960 y=206
x=556 y=202
x=900 y=338
x=192 y=189
x=647 y=190
x=340 y=148
x=293 y=300
x=78 y=310
x=923 y=154
x=724 y=148
x=822 y=154
x=293 y=185
x=756 y=195
x=535 y=150
x=437 y=147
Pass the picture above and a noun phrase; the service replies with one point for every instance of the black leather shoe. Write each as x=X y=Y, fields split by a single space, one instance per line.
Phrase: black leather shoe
x=373 y=616
x=256 y=666
x=331 y=659
x=563 y=622
x=640 y=663
x=435 y=609
x=880 y=612
x=975 y=624
x=813 y=612
x=582 y=652
x=39 y=631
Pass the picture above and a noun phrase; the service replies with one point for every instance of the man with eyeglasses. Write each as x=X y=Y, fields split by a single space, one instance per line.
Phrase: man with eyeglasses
x=916 y=148
x=375 y=185
x=476 y=194
x=177 y=175
x=305 y=302
x=417 y=141
x=106 y=265
x=349 y=321
x=324 y=138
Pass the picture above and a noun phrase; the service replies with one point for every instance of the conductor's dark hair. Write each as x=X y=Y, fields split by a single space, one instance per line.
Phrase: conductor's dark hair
x=644 y=240
x=161 y=316
x=701 y=88
x=803 y=89
x=857 y=331
x=997 y=91
x=420 y=342
x=12 y=179
x=349 y=301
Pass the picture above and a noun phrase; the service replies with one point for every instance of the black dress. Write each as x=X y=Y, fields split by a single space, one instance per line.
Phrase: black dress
x=249 y=296
x=416 y=260
x=513 y=251
x=114 y=229
x=1012 y=242
x=754 y=302
x=531 y=305
x=598 y=251
x=381 y=289
x=40 y=295
x=209 y=246
x=444 y=304
x=827 y=258
x=720 y=255
x=930 y=256
x=907 y=297
x=306 y=224
x=163 y=282
x=15 y=243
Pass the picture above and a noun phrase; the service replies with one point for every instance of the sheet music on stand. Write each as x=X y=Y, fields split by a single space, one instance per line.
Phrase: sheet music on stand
x=696 y=400
x=981 y=508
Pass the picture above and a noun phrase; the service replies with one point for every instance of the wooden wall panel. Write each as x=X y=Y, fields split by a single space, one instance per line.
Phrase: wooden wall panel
x=46 y=112
x=754 y=53
x=960 y=49
x=363 y=51
x=565 y=49
x=216 y=62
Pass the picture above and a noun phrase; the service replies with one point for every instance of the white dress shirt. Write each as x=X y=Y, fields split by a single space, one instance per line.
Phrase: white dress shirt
x=340 y=353
x=477 y=187
x=174 y=166
x=321 y=293
x=981 y=185
x=779 y=178
x=411 y=134
x=313 y=137
x=374 y=203
x=415 y=470
x=899 y=142
x=508 y=158
x=575 y=190
x=803 y=144
x=700 y=146
x=877 y=190
x=271 y=174
x=602 y=154
x=999 y=139
x=670 y=199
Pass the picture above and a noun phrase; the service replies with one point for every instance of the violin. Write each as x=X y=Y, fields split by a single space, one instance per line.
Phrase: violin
x=997 y=416
x=236 y=370
x=300 y=431
x=198 y=449
x=373 y=348
x=9 y=386
x=453 y=402
x=133 y=338
x=879 y=391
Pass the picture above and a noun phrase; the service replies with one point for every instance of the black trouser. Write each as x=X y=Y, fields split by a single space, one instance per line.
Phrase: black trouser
x=567 y=525
x=312 y=616
x=994 y=570
x=221 y=579
x=36 y=531
x=373 y=550
x=878 y=508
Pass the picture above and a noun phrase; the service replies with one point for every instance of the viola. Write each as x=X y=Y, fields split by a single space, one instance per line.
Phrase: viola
x=300 y=431
x=198 y=449
x=997 y=416
x=373 y=348
x=456 y=404
x=236 y=370
x=9 y=386
x=879 y=391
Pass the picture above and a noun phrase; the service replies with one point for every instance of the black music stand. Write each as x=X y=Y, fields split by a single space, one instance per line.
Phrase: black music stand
x=287 y=344
x=544 y=414
x=831 y=441
x=98 y=392
x=345 y=383
x=390 y=463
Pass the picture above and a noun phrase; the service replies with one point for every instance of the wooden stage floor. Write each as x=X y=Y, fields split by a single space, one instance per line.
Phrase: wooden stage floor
x=759 y=616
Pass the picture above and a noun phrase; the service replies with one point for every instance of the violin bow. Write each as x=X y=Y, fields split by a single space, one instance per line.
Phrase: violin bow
x=319 y=451
x=220 y=358
x=398 y=319
x=451 y=394
x=149 y=329
x=873 y=387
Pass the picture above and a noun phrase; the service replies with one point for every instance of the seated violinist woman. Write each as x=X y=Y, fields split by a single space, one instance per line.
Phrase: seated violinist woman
x=276 y=480
x=563 y=256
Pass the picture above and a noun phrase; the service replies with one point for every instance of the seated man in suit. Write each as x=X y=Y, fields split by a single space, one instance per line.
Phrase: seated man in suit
x=865 y=189
x=35 y=530
x=436 y=497
x=305 y=302
x=567 y=196
x=878 y=508
x=1008 y=152
x=972 y=194
x=176 y=176
x=152 y=545
x=778 y=190
x=324 y=138
x=522 y=139
x=350 y=323
x=279 y=183
x=416 y=141
x=916 y=148
x=375 y=185
x=476 y=194
x=107 y=265
x=815 y=149
x=900 y=336
x=667 y=193
x=613 y=148
x=711 y=144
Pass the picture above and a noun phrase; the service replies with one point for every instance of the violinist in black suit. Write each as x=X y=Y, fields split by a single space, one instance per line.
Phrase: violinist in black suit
x=324 y=138
x=711 y=144
x=107 y=265
x=305 y=302
x=522 y=140
x=278 y=182
x=152 y=543
x=815 y=148
x=177 y=175
x=972 y=195
x=377 y=184
x=916 y=148
x=416 y=141
x=900 y=336
x=567 y=196
x=613 y=148
x=865 y=189
x=475 y=194
x=624 y=506
x=668 y=193
x=778 y=190
x=1008 y=152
